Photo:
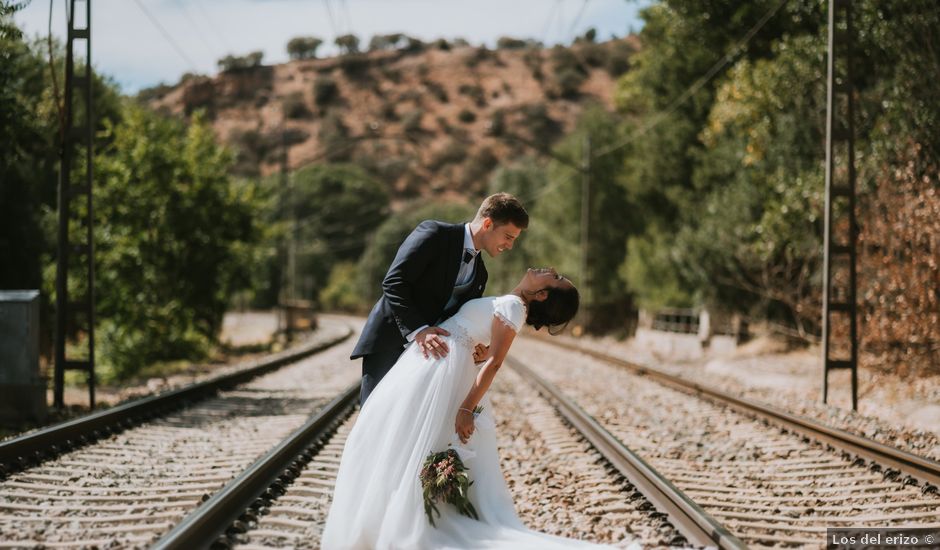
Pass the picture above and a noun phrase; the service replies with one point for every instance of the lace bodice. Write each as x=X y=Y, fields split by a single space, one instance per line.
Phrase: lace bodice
x=473 y=323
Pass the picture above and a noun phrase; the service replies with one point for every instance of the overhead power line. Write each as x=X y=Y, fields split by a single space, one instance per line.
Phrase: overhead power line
x=577 y=19
x=166 y=35
x=208 y=19
x=696 y=86
x=329 y=13
x=192 y=22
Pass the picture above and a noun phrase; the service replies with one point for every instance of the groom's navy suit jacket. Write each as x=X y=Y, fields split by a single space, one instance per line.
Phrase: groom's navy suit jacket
x=418 y=286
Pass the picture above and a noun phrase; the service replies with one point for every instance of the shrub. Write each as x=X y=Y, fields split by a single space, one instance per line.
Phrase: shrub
x=618 y=58
x=510 y=43
x=466 y=116
x=452 y=153
x=477 y=56
x=437 y=91
x=475 y=170
x=411 y=122
x=294 y=106
x=496 y=126
x=533 y=60
x=594 y=55
x=474 y=92
x=568 y=83
x=325 y=91
x=355 y=66
x=334 y=138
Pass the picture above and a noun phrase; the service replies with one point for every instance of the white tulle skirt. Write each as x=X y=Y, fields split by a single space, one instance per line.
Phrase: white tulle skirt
x=377 y=501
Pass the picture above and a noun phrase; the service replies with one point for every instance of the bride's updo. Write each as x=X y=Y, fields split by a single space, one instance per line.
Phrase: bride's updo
x=554 y=311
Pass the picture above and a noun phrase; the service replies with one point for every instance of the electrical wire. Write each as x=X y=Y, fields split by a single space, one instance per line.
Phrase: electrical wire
x=577 y=19
x=208 y=19
x=192 y=22
x=166 y=35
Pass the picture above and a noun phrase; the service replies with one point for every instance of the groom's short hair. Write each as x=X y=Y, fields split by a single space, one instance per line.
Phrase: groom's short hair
x=504 y=208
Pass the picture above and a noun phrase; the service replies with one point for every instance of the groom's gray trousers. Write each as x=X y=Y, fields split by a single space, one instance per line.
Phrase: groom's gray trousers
x=374 y=367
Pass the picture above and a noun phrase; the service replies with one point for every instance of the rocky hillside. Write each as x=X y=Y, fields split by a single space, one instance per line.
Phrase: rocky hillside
x=428 y=120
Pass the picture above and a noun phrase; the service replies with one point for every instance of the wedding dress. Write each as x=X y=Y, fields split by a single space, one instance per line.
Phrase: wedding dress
x=377 y=499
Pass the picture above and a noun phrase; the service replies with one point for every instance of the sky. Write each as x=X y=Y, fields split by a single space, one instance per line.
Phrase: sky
x=142 y=43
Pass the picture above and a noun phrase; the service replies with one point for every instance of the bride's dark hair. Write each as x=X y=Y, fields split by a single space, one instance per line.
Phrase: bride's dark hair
x=559 y=307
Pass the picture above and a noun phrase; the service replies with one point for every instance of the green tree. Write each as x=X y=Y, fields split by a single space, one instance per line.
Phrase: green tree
x=337 y=207
x=347 y=44
x=173 y=239
x=303 y=47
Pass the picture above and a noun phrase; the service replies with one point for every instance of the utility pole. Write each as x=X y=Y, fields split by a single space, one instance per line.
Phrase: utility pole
x=841 y=230
x=74 y=135
x=586 y=221
x=286 y=293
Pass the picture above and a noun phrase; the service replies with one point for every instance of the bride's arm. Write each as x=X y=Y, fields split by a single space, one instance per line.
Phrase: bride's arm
x=502 y=337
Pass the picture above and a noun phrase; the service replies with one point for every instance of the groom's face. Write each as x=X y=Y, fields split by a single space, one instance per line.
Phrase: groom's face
x=498 y=238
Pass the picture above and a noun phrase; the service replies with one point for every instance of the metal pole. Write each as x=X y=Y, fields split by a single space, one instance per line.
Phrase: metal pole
x=586 y=220
x=89 y=178
x=62 y=243
x=839 y=85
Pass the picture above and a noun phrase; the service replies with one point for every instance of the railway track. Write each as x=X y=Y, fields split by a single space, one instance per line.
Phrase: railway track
x=565 y=481
x=770 y=478
x=139 y=470
x=616 y=458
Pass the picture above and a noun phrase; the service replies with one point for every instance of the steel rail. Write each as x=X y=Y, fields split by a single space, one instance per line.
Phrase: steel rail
x=208 y=524
x=922 y=469
x=689 y=518
x=34 y=447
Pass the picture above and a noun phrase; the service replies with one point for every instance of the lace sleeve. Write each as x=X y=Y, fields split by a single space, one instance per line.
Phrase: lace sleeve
x=510 y=311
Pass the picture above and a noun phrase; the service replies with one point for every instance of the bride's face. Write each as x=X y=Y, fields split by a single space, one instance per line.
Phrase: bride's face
x=546 y=277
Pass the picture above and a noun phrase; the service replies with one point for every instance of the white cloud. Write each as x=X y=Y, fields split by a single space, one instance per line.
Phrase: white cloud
x=129 y=47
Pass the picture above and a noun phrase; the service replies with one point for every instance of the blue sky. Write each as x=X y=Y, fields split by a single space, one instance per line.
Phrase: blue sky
x=129 y=45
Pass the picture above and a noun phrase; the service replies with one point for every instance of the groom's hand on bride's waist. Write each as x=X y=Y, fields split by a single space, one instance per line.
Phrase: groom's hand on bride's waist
x=431 y=342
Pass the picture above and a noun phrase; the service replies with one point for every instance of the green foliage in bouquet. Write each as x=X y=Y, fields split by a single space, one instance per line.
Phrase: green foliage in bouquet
x=444 y=478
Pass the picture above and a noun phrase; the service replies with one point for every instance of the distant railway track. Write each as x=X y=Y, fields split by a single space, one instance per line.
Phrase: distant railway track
x=45 y=443
x=800 y=477
x=134 y=471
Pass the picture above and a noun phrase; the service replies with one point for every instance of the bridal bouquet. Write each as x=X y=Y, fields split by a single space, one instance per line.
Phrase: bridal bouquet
x=444 y=478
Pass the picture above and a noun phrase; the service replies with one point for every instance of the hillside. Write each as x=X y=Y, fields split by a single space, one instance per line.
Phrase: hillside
x=431 y=120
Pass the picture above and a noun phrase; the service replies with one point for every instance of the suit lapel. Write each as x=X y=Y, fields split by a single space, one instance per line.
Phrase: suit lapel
x=454 y=256
x=479 y=275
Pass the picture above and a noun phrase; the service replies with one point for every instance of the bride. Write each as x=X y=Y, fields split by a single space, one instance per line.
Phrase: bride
x=423 y=405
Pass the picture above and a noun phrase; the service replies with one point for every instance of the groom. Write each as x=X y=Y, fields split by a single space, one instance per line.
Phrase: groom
x=436 y=270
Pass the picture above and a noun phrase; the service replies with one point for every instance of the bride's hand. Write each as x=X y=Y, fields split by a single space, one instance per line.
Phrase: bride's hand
x=464 y=425
x=479 y=353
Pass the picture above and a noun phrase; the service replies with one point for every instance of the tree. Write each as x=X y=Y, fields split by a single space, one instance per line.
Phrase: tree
x=303 y=47
x=337 y=207
x=231 y=63
x=347 y=44
x=173 y=236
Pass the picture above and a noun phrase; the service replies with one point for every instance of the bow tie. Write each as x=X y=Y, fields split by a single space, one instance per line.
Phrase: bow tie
x=468 y=255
